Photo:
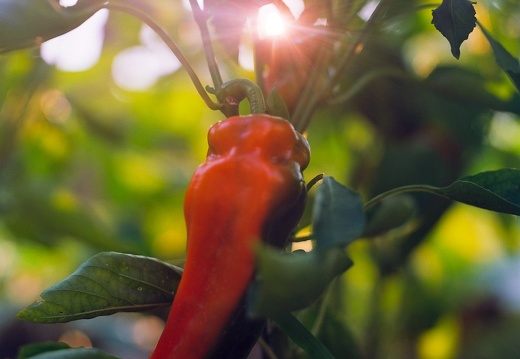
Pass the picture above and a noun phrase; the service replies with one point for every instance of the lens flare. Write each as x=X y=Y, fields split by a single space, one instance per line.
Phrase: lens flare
x=270 y=22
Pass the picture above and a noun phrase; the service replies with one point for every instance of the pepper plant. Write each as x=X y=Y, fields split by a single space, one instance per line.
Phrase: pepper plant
x=251 y=203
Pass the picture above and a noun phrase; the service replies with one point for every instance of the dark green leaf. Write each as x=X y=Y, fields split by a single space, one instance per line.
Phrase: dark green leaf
x=455 y=20
x=504 y=59
x=388 y=214
x=105 y=284
x=497 y=191
x=31 y=350
x=276 y=106
x=338 y=216
x=466 y=87
x=303 y=337
x=338 y=338
x=27 y=23
x=288 y=282
x=71 y=353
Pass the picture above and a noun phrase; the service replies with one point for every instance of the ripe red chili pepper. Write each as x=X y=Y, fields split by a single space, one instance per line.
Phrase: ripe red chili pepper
x=249 y=189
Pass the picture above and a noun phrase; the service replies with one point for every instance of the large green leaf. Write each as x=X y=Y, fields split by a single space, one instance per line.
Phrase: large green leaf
x=504 y=59
x=52 y=350
x=26 y=23
x=455 y=20
x=497 y=191
x=338 y=216
x=288 y=282
x=107 y=283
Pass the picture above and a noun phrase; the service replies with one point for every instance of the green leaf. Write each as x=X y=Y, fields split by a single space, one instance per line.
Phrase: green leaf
x=71 y=353
x=276 y=105
x=303 y=337
x=30 y=350
x=497 y=191
x=390 y=213
x=455 y=20
x=27 y=23
x=105 y=284
x=338 y=338
x=288 y=282
x=504 y=59
x=338 y=216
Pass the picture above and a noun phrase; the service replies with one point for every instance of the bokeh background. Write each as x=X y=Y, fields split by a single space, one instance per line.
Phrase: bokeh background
x=100 y=131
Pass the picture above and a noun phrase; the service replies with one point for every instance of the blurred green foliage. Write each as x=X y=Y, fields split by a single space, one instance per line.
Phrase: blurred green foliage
x=87 y=166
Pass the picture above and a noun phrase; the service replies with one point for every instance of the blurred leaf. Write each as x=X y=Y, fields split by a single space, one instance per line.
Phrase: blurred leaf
x=74 y=353
x=338 y=338
x=288 y=282
x=276 y=105
x=303 y=337
x=28 y=351
x=497 y=191
x=105 y=284
x=504 y=59
x=27 y=23
x=389 y=214
x=338 y=216
x=51 y=219
x=314 y=9
x=455 y=20
x=51 y=350
x=420 y=305
x=467 y=87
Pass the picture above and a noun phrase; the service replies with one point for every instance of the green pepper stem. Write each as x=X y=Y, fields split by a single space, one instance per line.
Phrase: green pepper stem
x=171 y=45
x=234 y=91
x=404 y=189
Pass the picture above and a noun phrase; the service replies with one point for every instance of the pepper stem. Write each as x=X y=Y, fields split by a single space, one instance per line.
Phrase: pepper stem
x=234 y=91
x=201 y=19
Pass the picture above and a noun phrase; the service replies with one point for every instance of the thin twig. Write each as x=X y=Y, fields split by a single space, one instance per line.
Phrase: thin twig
x=267 y=349
x=171 y=45
x=410 y=188
x=202 y=21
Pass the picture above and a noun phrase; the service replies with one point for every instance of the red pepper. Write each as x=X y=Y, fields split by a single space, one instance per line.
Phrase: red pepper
x=250 y=189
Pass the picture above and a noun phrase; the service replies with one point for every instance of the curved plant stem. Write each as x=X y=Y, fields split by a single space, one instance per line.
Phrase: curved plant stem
x=411 y=188
x=314 y=180
x=234 y=91
x=171 y=45
x=201 y=20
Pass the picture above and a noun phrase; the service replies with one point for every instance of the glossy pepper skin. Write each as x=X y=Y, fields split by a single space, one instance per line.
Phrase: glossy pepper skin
x=249 y=189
